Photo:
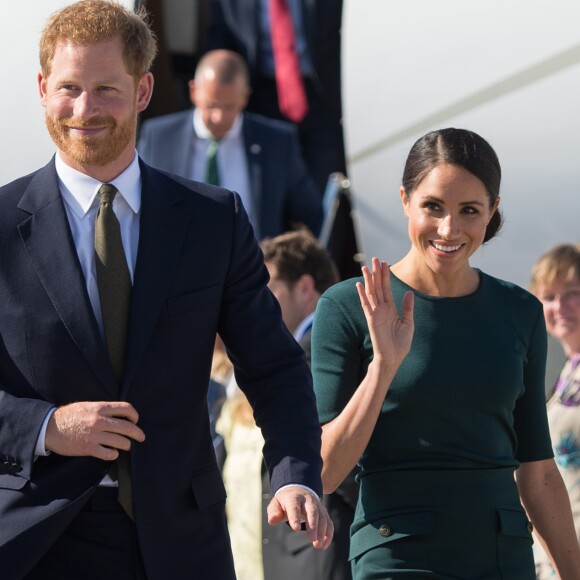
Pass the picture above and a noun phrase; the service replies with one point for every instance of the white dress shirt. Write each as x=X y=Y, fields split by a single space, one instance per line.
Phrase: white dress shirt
x=81 y=202
x=79 y=192
x=231 y=159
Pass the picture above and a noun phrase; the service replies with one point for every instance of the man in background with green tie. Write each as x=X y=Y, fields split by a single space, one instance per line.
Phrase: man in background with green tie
x=218 y=143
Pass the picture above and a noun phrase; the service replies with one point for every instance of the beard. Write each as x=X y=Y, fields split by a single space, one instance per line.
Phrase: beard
x=98 y=150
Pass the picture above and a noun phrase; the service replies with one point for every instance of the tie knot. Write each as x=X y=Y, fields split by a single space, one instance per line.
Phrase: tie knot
x=213 y=146
x=107 y=193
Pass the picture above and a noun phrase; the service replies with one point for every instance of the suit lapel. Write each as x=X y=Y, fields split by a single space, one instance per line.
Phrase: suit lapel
x=255 y=162
x=46 y=234
x=163 y=225
x=183 y=156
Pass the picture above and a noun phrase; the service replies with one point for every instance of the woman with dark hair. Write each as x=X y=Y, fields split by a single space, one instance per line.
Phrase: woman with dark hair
x=436 y=388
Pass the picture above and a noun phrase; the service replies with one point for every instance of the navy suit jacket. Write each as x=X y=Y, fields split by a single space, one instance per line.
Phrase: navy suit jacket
x=199 y=271
x=282 y=191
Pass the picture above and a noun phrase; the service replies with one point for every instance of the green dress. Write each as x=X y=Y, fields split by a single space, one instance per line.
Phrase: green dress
x=438 y=497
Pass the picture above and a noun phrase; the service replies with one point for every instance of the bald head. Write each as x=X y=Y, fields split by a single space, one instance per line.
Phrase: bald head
x=220 y=90
x=222 y=66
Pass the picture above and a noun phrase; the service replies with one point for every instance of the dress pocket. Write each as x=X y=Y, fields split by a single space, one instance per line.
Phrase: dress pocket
x=392 y=531
x=515 y=544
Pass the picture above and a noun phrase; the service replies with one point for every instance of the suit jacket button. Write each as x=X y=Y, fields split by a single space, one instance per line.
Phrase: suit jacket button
x=16 y=467
x=385 y=531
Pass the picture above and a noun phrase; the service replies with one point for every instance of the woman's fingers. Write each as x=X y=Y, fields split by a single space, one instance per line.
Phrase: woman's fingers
x=377 y=282
x=408 y=301
x=369 y=293
x=362 y=296
x=379 y=269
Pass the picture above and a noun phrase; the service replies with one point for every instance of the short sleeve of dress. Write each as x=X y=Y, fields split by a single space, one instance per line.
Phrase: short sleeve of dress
x=340 y=347
x=530 y=414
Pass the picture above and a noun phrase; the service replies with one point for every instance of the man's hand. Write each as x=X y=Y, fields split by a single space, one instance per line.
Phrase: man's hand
x=97 y=429
x=295 y=504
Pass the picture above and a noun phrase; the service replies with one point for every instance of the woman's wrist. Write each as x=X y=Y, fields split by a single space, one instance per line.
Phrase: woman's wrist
x=383 y=369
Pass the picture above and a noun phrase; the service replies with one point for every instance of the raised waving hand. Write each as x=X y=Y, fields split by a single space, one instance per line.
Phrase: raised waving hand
x=391 y=335
x=345 y=438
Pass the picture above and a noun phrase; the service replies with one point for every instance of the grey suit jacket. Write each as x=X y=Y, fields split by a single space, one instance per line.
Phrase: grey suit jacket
x=282 y=191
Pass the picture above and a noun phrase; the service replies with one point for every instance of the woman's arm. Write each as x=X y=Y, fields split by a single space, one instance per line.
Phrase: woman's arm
x=546 y=500
x=345 y=438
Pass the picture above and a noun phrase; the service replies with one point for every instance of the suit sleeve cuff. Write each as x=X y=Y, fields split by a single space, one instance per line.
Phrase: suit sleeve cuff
x=297 y=485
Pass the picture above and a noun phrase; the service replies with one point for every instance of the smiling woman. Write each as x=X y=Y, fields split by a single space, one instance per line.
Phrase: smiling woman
x=451 y=401
x=556 y=282
x=450 y=196
x=448 y=215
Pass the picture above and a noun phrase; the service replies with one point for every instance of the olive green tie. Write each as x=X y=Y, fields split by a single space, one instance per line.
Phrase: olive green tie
x=212 y=175
x=114 y=283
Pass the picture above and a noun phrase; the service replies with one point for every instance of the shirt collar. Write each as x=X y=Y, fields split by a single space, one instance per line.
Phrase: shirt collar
x=79 y=190
x=303 y=327
x=203 y=132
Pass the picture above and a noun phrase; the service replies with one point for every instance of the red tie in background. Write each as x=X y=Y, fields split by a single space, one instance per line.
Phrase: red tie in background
x=291 y=94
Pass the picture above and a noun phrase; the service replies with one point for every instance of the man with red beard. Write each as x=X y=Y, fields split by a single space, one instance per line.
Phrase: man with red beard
x=114 y=280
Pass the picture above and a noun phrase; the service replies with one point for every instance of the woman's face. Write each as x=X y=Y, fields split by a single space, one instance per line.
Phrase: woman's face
x=561 y=301
x=448 y=214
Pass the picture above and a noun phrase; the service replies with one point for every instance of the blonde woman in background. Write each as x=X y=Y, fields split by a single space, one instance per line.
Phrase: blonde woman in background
x=556 y=282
